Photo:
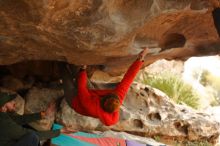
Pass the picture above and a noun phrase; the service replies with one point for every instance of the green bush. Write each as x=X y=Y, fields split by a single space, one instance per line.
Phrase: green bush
x=210 y=80
x=174 y=87
x=202 y=143
x=195 y=143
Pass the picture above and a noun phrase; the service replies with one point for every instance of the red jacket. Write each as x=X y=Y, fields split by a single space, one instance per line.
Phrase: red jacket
x=87 y=102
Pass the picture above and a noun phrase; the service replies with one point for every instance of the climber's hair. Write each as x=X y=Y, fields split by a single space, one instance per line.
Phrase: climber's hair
x=110 y=103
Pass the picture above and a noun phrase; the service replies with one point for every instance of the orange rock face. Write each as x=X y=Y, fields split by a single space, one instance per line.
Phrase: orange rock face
x=100 y=32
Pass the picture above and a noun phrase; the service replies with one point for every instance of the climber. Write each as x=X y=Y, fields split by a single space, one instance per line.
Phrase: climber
x=104 y=104
x=13 y=132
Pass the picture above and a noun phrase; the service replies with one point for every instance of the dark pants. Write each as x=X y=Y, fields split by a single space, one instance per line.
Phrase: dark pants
x=69 y=77
x=216 y=18
x=69 y=85
x=30 y=139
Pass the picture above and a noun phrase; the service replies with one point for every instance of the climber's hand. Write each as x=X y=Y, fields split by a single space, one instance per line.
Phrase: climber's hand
x=83 y=67
x=143 y=54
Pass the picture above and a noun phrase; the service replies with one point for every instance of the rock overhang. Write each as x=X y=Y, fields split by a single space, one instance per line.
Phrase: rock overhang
x=109 y=33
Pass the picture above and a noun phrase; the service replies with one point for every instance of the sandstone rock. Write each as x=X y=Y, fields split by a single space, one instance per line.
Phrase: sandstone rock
x=20 y=103
x=160 y=66
x=102 y=77
x=111 y=33
x=14 y=83
x=148 y=112
x=214 y=111
x=37 y=100
x=108 y=33
x=68 y=116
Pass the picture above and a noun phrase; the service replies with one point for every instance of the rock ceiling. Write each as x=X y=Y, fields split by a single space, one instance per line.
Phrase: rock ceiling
x=105 y=32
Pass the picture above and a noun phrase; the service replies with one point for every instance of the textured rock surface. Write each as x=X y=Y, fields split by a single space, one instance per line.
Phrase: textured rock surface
x=164 y=66
x=214 y=111
x=109 y=33
x=104 y=32
x=14 y=84
x=37 y=100
x=148 y=112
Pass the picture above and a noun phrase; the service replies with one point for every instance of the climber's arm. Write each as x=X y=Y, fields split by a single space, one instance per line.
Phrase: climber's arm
x=124 y=85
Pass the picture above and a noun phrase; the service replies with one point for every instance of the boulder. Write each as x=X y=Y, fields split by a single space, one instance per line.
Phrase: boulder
x=149 y=112
x=37 y=100
x=109 y=33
